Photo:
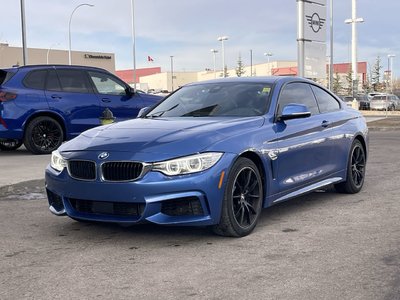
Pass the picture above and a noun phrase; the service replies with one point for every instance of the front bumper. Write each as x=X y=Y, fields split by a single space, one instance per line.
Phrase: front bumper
x=194 y=199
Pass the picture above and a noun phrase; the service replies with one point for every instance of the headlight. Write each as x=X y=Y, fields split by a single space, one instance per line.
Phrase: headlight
x=57 y=161
x=188 y=164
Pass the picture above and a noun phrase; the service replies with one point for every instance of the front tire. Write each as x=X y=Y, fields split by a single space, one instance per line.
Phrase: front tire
x=43 y=135
x=242 y=201
x=355 y=170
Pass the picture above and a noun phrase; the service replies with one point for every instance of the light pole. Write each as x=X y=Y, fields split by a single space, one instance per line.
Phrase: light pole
x=222 y=39
x=353 y=21
x=48 y=52
x=331 y=45
x=390 y=68
x=23 y=26
x=268 y=55
x=251 y=62
x=172 y=73
x=133 y=43
x=69 y=29
x=214 y=52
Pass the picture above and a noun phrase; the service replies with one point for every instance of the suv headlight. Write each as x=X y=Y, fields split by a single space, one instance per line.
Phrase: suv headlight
x=187 y=165
x=57 y=161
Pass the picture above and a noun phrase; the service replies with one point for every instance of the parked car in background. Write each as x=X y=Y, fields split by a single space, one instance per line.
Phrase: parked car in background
x=161 y=93
x=385 y=102
x=213 y=154
x=44 y=105
x=363 y=101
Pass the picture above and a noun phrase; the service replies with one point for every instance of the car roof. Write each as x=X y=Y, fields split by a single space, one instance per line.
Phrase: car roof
x=45 y=66
x=258 y=79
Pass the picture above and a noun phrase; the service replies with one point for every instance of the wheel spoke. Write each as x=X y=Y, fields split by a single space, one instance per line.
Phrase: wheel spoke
x=253 y=186
x=241 y=215
x=250 y=208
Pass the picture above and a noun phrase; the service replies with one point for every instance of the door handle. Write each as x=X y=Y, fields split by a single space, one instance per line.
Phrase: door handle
x=56 y=97
x=325 y=123
x=106 y=100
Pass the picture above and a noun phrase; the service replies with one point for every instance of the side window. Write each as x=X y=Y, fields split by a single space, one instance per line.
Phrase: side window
x=53 y=84
x=325 y=101
x=73 y=81
x=35 y=79
x=105 y=84
x=298 y=93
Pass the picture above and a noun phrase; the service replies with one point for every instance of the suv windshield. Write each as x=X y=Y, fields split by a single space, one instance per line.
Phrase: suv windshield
x=241 y=99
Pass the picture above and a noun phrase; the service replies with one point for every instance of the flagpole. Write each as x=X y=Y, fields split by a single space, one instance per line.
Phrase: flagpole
x=133 y=44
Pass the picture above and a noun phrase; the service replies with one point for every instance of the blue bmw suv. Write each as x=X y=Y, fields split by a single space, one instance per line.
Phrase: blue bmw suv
x=43 y=105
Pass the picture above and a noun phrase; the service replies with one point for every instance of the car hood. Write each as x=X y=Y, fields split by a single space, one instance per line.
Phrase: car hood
x=175 y=136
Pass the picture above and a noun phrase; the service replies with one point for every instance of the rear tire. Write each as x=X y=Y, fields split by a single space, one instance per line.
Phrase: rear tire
x=10 y=144
x=43 y=135
x=242 y=201
x=355 y=170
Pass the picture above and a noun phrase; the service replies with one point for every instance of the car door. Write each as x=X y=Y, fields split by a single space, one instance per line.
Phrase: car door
x=304 y=155
x=69 y=93
x=115 y=95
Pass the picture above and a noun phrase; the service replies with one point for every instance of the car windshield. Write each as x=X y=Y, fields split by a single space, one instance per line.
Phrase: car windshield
x=241 y=99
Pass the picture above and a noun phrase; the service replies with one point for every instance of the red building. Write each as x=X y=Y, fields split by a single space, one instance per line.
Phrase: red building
x=127 y=75
x=342 y=69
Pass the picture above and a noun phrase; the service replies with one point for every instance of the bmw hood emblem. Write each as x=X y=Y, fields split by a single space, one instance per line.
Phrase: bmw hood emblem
x=103 y=155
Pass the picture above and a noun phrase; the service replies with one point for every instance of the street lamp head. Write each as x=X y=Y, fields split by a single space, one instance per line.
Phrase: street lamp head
x=350 y=21
x=214 y=50
x=268 y=54
x=391 y=55
x=223 y=38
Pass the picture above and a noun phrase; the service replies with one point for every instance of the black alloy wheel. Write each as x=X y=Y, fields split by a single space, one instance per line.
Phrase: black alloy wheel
x=43 y=135
x=355 y=170
x=10 y=144
x=242 y=203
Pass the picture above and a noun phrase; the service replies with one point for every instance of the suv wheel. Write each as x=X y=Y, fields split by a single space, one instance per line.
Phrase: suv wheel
x=43 y=135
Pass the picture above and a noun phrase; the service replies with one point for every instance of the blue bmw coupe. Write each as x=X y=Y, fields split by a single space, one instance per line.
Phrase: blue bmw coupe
x=212 y=154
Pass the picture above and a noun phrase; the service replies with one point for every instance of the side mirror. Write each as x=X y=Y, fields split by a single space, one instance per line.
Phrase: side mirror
x=294 y=111
x=130 y=91
x=143 y=111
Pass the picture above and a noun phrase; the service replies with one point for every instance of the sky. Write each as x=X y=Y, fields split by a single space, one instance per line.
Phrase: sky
x=188 y=29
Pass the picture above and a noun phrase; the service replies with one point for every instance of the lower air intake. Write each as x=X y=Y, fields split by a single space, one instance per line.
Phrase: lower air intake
x=123 y=209
x=188 y=206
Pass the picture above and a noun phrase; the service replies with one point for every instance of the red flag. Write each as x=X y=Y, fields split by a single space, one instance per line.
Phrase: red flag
x=149 y=58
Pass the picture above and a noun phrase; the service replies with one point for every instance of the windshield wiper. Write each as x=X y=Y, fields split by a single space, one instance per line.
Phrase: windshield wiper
x=160 y=113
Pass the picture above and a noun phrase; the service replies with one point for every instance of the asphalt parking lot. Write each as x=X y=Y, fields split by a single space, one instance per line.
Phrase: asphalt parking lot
x=322 y=246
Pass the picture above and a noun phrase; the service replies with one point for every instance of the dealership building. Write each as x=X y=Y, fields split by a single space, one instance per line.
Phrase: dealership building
x=13 y=56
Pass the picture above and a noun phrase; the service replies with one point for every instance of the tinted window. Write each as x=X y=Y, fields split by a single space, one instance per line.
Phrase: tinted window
x=325 y=101
x=35 y=79
x=5 y=76
x=73 y=81
x=105 y=84
x=53 y=84
x=298 y=93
